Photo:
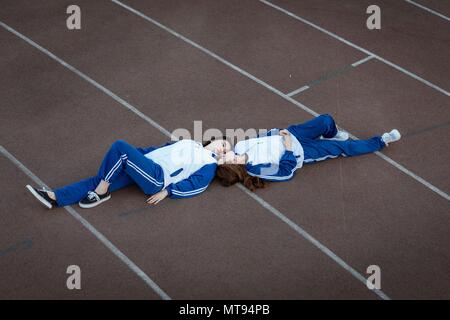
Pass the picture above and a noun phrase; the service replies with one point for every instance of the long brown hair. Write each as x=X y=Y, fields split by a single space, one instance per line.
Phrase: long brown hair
x=229 y=174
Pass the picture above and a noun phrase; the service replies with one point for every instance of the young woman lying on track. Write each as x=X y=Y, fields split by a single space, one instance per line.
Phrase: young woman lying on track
x=278 y=154
x=180 y=169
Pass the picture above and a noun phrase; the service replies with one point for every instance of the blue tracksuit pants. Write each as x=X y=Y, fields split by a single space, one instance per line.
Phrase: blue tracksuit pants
x=316 y=150
x=123 y=165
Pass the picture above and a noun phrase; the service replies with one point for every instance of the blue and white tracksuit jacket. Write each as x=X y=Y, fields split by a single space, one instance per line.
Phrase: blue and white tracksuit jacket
x=184 y=168
x=269 y=159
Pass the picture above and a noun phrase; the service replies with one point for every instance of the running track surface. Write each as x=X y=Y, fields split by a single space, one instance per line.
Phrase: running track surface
x=234 y=64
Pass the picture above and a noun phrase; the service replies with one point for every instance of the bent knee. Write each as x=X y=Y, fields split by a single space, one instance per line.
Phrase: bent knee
x=120 y=143
x=327 y=118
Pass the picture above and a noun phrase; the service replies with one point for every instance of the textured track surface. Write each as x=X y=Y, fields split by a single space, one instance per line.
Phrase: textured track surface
x=224 y=244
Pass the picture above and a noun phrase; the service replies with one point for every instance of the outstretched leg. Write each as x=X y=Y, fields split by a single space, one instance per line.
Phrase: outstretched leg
x=322 y=125
x=122 y=166
x=318 y=150
x=74 y=192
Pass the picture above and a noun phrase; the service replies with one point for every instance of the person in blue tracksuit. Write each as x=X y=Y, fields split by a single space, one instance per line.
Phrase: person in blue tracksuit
x=181 y=169
x=276 y=155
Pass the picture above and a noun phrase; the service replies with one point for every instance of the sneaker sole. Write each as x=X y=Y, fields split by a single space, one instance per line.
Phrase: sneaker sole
x=88 y=206
x=47 y=204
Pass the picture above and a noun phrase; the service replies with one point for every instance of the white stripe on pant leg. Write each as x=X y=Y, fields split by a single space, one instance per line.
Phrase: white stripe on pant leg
x=116 y=166
x=108 y=244
x=113 y=169
x=320 y=159
x=144 y=174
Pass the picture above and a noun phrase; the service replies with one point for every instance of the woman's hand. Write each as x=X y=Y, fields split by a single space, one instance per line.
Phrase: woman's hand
x=157 y=197
x=287 y=139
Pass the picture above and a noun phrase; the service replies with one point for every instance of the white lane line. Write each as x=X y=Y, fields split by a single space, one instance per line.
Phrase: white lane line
x=88 y=79
x=331 y=34
x=293 y=93
x=411 y=174
x=357 y=63
x=428 y=9
x=270 y=88
x=160 y=128
x=119 y=254
x=215 y=56
x=311 y=239
x=306 y=87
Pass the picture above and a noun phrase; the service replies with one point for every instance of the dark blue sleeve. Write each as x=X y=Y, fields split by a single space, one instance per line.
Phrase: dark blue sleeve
x=195 y=184
x=282 y=172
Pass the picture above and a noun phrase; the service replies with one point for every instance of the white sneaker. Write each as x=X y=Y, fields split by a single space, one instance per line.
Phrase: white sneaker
x=392 y=136
x=340 y=136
